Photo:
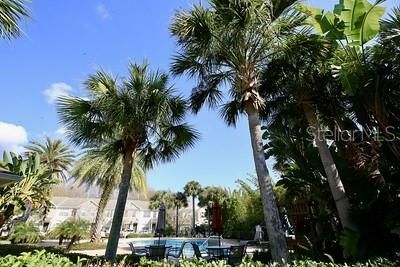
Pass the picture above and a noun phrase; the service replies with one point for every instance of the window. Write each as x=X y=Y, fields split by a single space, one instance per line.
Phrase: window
x=109 y=213
x=147 y=214
x=63 y=213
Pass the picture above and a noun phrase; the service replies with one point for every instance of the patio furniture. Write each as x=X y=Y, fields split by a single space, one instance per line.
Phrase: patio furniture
x=198 y=253
x=139 y=251
x=160 y=242
x=213 y=242
x=236 y=254
x=218 y=252
x=175 y=253
x=157 y=252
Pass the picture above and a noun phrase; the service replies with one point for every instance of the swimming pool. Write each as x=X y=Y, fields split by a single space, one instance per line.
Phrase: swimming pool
x=174 y=243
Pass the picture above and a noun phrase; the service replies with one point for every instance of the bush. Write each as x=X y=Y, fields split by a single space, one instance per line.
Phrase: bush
x=73 y=229
x=30 y=256
x=39 y=258
x=379 y=262
x=25 y=233
x=169 y=230
x=135 y=235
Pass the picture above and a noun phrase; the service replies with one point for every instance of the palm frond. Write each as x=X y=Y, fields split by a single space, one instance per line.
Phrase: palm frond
x=12 y=12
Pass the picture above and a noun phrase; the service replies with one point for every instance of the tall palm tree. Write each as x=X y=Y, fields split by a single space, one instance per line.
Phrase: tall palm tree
x=141 y=115
x=11 y=14
x=303 y=75
x=180 y=201
x=229 y=43
x=95 y=168
x=193 y=189
x=57 y=156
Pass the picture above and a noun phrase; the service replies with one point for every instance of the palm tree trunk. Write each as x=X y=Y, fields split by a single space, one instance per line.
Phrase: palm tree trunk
x=95 y=231
x=176 y=221
x=209 y=220
x=194 y=218
x=335 y=183
x=112 y=244
x=272 y=219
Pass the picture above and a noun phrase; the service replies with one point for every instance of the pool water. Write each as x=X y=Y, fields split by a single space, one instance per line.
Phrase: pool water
x=174 y=243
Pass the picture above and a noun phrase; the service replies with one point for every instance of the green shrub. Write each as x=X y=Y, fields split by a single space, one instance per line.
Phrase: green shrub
x=379 y=262
x=38 y=258
x=73 y=229
x=30 y=256
x=135 y=235
x=169 y=230
x=25 y=233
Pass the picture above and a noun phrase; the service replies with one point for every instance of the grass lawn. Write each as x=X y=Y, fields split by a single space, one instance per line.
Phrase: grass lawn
x=89 y=246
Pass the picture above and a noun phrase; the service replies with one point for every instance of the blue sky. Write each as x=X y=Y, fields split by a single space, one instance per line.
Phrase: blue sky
x=66 y=40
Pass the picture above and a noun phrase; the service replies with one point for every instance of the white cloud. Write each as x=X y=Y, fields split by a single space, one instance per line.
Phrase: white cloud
x=60 y=131
x=56 y=90
x=102 y=11
x=12 y=137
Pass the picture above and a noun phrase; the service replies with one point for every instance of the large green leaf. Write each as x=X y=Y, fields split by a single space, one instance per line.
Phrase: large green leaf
x=354 y=20
x=325 y=23
x=361 y=19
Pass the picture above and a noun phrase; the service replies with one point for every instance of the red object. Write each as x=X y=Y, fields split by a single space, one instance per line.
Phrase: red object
x=217 y=225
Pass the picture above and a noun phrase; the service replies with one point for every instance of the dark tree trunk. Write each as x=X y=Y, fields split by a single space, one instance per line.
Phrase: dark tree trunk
x=194 y=218
x=177 y=221
x=72 y=242
x=272 y=219
x=209 y=223
x=112 y=244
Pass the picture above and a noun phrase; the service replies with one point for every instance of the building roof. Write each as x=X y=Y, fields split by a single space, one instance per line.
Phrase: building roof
x=75 y=203
x=7 y=177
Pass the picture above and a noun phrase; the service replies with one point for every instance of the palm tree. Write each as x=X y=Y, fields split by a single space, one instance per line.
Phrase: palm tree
x=56 y=155
x=94 y=168
x=11 y=13
x=141 y=116
x=230 y=43
x=193 y=189
x=180 y=201
x=304 y=77
x=209 y=196
x=161 y=197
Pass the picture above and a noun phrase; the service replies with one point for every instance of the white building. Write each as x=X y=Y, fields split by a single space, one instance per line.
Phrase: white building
x=138 y=218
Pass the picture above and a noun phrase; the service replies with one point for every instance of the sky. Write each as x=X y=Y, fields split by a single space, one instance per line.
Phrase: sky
x=65 y=41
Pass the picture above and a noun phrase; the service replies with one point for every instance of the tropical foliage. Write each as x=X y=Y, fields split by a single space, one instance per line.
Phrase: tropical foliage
x=12 y=12
x=73 y=229
x=140 y=117
x=332 y=104
x=95 y=168
x=193 y=189
x=57 y=156
x=31 y=192
x=229 y=43
x=25 y=233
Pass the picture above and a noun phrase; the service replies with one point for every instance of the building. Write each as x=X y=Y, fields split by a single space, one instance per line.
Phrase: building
x=7 y=177
x=185 y=219
x=138 y=218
